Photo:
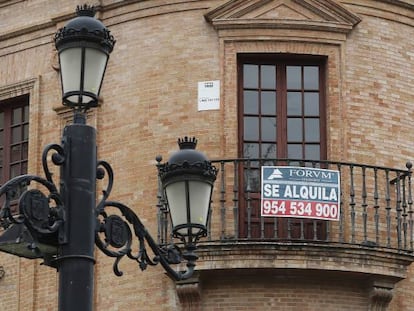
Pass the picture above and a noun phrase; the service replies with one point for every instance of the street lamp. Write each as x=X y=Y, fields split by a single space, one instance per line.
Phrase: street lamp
x=84 y=45
x=63 y=225
x=187 y=180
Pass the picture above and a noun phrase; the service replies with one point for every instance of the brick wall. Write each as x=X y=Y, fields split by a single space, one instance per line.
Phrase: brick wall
x=149 y=99
x=282 y=290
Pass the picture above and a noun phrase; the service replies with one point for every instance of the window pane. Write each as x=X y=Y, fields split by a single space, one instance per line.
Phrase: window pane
x=294 y=103
x=15 y=153
x=295 y=151
x=251 y=128
x=311 y=104
x=26 y=113
x=24 y=168
x=294 y=77
x=251 y=102
x=268 y=102
x=252 y=180
x=269 y=129
x=312 y=152
x=311 y=77
x=294 y=127
x=251 y=151
x=268 y=151
x=14 y=129
x=268 y=77
x=251 y=76
x=17 y=116
x=26 y=132
x=312 y=130
x=15 y=170
x=25 y=151
x=16 y=134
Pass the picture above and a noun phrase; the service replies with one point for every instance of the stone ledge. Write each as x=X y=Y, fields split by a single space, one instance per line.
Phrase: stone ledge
x=350 y=258
x=379 y=268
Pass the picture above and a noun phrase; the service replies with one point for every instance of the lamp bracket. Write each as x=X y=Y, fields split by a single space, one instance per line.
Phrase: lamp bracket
x=114 y=235
x=40 y=207
x=41 y=210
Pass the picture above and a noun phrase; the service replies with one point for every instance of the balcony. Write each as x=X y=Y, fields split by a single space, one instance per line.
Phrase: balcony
x=373 y=237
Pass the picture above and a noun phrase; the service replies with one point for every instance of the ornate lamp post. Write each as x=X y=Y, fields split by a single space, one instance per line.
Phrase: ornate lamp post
x=63 y=225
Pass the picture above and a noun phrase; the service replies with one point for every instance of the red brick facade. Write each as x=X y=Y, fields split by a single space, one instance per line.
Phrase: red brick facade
x=149 y=99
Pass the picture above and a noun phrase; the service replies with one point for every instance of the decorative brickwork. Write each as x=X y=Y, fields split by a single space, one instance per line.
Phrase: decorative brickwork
x=189 y=294
x=380 y=296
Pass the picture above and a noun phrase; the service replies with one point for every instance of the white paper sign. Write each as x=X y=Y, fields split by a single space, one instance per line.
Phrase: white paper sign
x=209 y=95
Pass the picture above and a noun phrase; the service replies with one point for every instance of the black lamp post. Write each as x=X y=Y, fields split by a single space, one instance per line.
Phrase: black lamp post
x=63 y=225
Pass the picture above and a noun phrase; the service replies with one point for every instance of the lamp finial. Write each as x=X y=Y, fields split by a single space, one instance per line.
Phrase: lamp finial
x=85 y=10
x=187 y=142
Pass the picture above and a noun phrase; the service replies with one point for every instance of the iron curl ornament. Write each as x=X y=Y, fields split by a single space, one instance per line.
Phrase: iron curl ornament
x=118 y=237
x=33 y=214
x=33 y=217
x=187 y=170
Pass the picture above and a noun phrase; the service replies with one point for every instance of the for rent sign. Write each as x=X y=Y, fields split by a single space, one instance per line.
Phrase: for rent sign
x=300 y=192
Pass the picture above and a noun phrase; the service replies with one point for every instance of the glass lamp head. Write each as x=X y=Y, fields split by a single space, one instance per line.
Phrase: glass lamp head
x=83 y=46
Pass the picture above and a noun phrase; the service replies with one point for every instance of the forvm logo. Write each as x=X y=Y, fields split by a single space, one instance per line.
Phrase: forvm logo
x=275 y=174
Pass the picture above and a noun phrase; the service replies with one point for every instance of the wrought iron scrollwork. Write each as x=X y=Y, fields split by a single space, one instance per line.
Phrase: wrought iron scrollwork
x=42 y=214
x=114 y=236
x=40 y=211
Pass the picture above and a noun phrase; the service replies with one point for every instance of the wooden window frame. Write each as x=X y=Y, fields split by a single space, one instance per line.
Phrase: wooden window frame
x=284 y=60
x=250 y=193
x=7 y=107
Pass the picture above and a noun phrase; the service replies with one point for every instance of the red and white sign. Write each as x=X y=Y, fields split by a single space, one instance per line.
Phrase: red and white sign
x=300 y=192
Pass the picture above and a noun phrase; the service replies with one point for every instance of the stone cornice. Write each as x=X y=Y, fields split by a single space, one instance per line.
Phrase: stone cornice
x=318 y=15
x=17 y=89
x=281 y=24
x=110 y=14
x=313 y=256
x=397 y=11
x=400 y=3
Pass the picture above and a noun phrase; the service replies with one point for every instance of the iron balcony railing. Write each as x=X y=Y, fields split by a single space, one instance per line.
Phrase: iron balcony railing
x=376 y=207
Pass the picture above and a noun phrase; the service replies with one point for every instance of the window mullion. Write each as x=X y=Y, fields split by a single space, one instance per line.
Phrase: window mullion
x=281 y=94
x=7 y=144
x=303 y=143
